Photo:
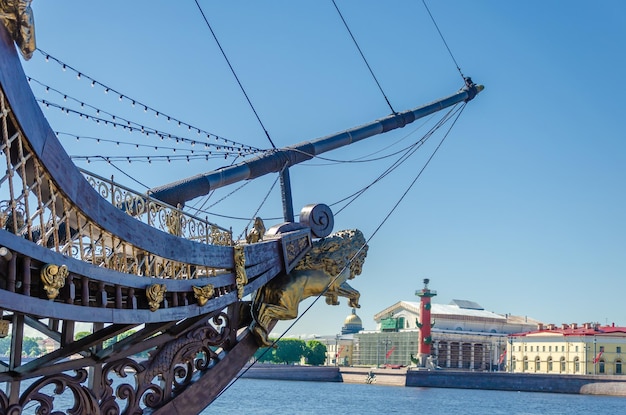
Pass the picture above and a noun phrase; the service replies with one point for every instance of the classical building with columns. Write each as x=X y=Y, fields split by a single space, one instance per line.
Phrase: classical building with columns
x=588 y=348
x=462 y=335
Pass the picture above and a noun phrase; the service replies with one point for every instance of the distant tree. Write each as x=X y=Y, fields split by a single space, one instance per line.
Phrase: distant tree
x=81 y=334
x=264 y=354
x=316 y=352
x=5 y=345
x=30 y=347
x=117 y=338
x=289 y=350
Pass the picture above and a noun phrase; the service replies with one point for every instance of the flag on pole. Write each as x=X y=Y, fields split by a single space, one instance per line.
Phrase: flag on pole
x=597 y=358
x=340 y=350
x=389 y=352
x=502 y=357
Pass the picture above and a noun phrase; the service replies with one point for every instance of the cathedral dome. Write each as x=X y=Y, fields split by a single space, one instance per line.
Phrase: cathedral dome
x=353 y=319
x=352 y=323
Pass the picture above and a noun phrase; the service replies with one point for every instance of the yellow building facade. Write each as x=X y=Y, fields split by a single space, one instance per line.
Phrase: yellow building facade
x=589 y=349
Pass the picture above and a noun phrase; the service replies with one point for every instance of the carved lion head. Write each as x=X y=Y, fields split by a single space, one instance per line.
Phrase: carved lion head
x=338 y=251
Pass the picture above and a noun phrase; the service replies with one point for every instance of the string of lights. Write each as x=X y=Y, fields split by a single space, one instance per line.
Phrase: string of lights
x=134 y=102
x=118 y=143
x=147 y=159
x=147 y=131
x=131 y=126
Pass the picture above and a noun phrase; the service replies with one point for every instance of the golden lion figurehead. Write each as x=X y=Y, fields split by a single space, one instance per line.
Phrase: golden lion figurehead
x=336 y=252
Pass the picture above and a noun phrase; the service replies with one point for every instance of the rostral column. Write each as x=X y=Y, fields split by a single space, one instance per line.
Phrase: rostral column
x=424 y=324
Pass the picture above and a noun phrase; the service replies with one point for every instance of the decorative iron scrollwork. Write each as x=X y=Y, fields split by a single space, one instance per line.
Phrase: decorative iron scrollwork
x=169 y=370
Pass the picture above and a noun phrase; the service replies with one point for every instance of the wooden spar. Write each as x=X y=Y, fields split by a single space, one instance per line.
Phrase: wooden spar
x=179 y=192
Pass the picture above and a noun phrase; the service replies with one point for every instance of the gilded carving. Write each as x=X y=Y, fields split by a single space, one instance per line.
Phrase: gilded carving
x=295 y=247
x=173 y=223
x=155 y=294
x=17 y=17
x=324 y=270
x=219 y=237
x=241 y=278
x=4 y=328
x=257 y=232
x=53 y=279
x=203 y=294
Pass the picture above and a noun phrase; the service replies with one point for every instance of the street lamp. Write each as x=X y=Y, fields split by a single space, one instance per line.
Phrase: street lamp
x=594 y=355
x=386 y=342
x=510 y=354
x=499 y=352
x=336 y=349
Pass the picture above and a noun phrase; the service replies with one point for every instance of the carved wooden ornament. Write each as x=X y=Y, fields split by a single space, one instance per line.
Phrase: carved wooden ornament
x=53 y=279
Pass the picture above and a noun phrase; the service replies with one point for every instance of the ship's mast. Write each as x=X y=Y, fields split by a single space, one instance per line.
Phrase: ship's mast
x=279 y=160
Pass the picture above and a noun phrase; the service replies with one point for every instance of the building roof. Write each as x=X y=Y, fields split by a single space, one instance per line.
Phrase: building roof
x=584 y=330
x=442 y=310
x=467 y=304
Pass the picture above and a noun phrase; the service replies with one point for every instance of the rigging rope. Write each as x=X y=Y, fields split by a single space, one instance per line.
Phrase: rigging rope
x=107 y=89
x=409 y=152
x=363 y=56
x=234 y=74
x=260 y=206
x=444 y=40
x=380 y=225
x=126 y=174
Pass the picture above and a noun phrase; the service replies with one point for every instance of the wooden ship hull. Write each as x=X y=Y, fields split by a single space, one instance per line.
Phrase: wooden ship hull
x=69 y=252
x=75 y=247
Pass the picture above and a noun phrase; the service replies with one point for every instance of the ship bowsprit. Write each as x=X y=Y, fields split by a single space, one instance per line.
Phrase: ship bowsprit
x=148 y=278
x=155 y=282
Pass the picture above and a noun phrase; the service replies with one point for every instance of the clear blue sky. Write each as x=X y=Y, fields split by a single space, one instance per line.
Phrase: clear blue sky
x=521 y=210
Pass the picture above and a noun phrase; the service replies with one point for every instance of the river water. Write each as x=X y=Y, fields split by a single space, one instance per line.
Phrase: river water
x=252 y=396
x=276 y=397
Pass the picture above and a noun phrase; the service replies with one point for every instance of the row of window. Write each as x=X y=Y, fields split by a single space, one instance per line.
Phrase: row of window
x=618 y=349
x=563 y=365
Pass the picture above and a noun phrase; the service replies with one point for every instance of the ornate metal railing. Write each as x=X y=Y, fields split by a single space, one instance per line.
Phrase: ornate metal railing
x=158 y=214
x=32 y=206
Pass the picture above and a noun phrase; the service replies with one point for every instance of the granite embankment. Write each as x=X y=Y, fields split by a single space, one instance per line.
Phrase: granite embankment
x=572 y=384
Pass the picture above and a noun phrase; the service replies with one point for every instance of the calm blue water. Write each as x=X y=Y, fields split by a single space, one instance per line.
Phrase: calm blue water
x=275 y=397
x=251 y=396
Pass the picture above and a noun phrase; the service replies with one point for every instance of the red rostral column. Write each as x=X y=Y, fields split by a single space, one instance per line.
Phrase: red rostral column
x=424 y=324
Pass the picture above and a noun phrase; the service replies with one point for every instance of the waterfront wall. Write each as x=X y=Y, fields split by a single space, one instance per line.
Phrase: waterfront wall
x=293 y=372
x=390 y=377
x=524 y=382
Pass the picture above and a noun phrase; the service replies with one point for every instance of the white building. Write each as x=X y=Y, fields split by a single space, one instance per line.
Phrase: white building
x=464 y=336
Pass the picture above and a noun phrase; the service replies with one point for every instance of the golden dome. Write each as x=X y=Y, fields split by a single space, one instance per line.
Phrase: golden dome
x=353 y=320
